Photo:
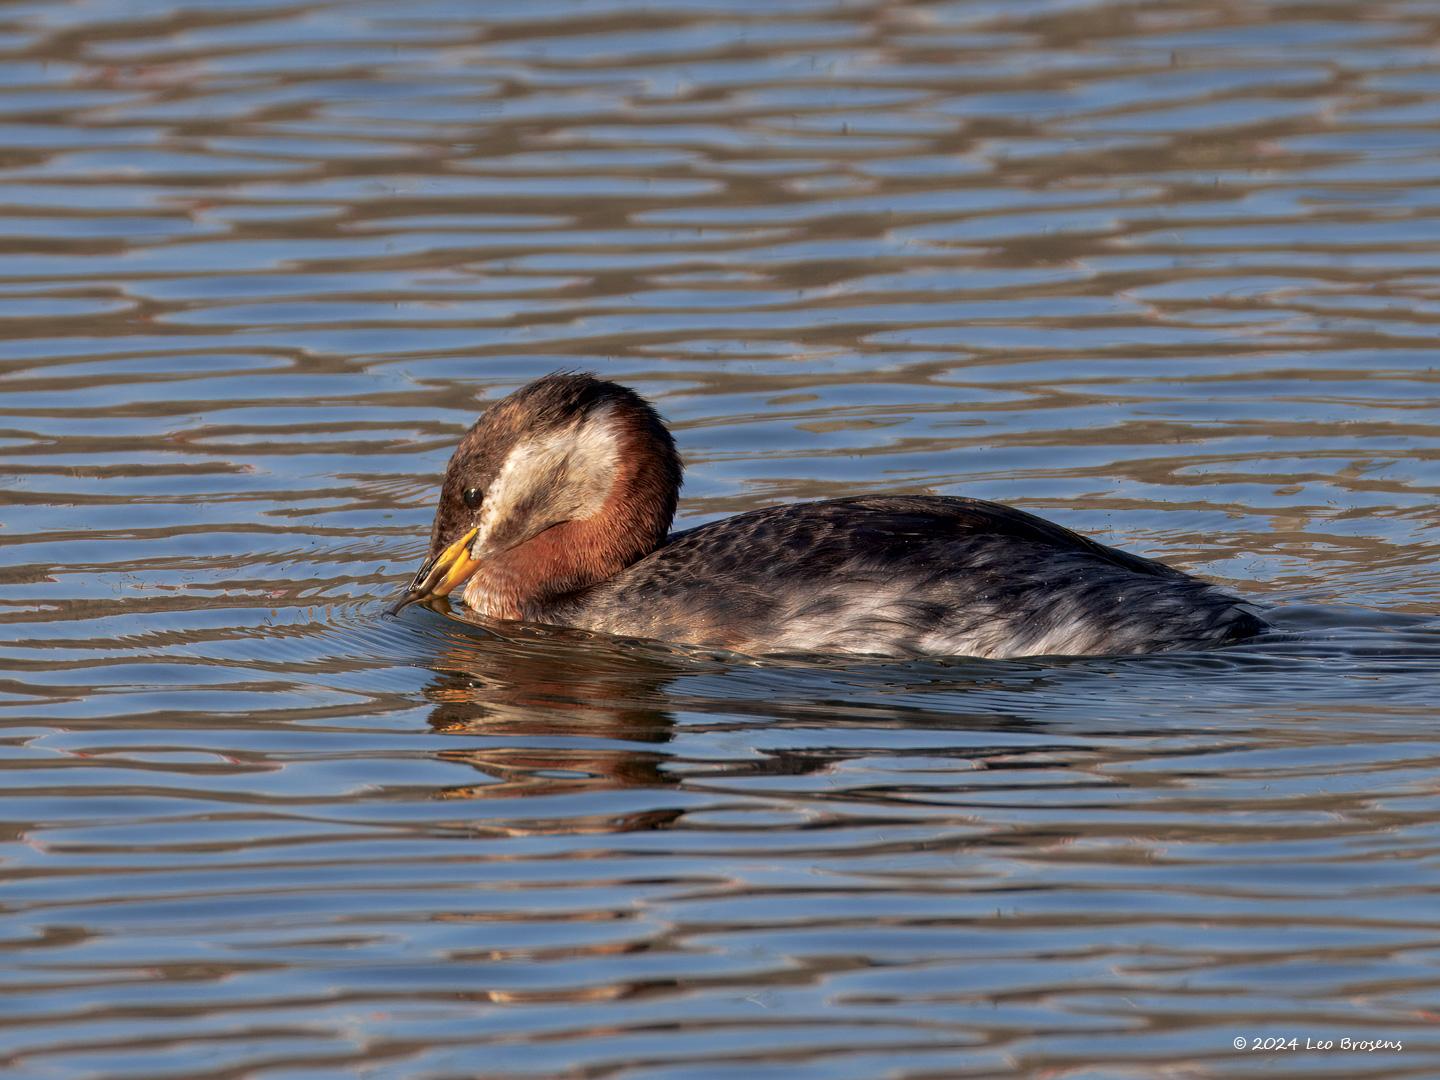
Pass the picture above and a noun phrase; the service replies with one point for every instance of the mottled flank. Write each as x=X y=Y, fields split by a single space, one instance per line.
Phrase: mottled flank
x=578 y=481
x=903 y=576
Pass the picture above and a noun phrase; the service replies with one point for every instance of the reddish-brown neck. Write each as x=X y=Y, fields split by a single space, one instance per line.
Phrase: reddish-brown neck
x=524 y=581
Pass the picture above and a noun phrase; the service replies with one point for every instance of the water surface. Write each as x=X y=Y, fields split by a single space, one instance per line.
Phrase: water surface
x=1163 y=272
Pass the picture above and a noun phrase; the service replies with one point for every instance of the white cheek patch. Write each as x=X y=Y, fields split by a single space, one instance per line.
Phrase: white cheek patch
x=560 y=476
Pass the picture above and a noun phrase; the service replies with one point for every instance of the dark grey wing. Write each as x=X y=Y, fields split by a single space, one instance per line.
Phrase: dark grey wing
x=902 y=575
x=958 y=517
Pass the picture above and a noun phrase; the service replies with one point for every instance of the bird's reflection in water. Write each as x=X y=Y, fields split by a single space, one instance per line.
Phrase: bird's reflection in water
x=596 y=708
x=604 y=703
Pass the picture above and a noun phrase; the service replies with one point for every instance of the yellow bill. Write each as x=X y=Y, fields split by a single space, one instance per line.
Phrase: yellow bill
x=440 y=575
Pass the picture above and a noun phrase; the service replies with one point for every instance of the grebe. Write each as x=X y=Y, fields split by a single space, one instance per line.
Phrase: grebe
x=556 y=508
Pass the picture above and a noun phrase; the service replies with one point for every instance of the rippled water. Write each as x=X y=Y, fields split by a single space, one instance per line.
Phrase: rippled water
x=1164 y=272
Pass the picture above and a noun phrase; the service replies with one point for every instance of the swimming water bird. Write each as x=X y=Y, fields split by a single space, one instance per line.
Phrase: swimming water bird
x=556 y=508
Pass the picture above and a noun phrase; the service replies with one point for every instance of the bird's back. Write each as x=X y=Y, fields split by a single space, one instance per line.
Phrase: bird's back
x=903 y=576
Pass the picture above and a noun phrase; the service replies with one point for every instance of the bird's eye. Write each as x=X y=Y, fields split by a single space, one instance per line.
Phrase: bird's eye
x=473 y=498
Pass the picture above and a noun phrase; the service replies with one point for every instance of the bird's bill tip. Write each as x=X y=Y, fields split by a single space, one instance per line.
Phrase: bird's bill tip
x=443 y=574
